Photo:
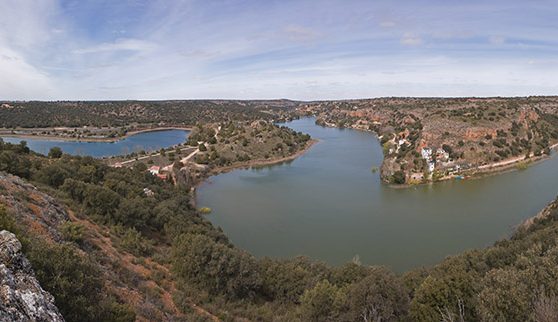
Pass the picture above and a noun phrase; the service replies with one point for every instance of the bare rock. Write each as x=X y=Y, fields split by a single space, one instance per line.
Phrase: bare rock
x=21 y=296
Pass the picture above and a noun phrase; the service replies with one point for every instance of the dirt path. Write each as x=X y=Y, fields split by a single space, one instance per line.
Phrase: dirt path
x=119 y=164
x=510 y=161
x=184 y=160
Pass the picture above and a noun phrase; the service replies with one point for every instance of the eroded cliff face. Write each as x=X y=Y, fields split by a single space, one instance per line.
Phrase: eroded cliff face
x=21 y=296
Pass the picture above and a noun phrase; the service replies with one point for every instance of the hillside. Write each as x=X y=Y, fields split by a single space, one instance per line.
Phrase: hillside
x=75 y=114
x=428 y=139
x=153 y=257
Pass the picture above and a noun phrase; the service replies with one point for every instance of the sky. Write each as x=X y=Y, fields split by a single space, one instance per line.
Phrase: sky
x=256 y=49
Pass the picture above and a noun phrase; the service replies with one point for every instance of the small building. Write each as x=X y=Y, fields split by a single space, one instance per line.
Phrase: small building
x=426 y=153
x=417 y=176
x=401 y=142
x=431 y=166
x=442 y=155
x=154 y=170
x=163 y=176
x=148 y=192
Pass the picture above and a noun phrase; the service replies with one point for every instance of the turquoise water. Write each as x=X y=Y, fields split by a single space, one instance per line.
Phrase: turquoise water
x=148 y=141
x=328 y=205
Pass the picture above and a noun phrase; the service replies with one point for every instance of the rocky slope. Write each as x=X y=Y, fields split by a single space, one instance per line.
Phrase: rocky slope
x=36 y=210
x=21 y=296
x=429 y=139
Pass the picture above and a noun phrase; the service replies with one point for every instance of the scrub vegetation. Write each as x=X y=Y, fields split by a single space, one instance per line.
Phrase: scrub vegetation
x=118 y=253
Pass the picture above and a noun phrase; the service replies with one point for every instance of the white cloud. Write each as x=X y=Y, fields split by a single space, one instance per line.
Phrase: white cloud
x=299 y=33
x=25 y=28
x=198 y=50
x=387 y=24
x=497 y=40
x=410 y=39
x=122 y=44
x=20 y=80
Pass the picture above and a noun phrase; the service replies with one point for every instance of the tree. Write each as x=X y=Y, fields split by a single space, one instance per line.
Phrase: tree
x=55 y=153
x=15 y=164
x=286 y=280
x=53 y=175
x=75 y=282
x=133 y=212
x=398 y=177
x=202 y=147
x=215 y=267
x=323 y=302
x=379 y=297
x=101 y=202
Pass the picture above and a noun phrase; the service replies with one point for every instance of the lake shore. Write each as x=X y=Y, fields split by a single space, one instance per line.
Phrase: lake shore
x=89 y=139
x=249 y=164
x=264 y=162
x=488 y=170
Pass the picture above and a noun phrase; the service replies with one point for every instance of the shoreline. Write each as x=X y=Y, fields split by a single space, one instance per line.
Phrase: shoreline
x=92 y=139
x=476 y=173
x=488 y=170
x=263 y=162
x=248 y=165
x=511 y=167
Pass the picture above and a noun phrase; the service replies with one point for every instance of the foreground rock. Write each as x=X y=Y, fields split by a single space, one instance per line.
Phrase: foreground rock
x=21 y=296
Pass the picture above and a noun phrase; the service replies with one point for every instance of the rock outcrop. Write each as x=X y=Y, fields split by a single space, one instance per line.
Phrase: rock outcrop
x=40 y=213
x=21 y=296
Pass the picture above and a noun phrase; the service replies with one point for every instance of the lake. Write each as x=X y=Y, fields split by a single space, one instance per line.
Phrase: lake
x=330 y=206
x=147 y=141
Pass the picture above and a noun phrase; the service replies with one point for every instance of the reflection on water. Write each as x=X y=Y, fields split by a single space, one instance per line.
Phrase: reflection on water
x=330 y=206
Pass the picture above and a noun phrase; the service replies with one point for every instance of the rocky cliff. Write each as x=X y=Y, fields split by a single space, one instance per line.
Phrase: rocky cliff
x=21 y=296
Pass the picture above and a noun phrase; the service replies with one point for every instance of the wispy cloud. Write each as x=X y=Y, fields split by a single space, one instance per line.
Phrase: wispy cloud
x=300 y=33
x=497 y=40
x=118 y=45
x=410 y=39
x=57 y=49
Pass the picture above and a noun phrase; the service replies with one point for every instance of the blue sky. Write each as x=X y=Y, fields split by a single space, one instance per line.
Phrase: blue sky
x=135 y=49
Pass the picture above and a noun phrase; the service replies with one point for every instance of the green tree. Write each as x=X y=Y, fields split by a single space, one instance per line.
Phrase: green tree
x=101 y=202
x=75 y=282
x=323 y=302
x=398 y=177
x=55 y=153
x=379 y=297
x=215 y=267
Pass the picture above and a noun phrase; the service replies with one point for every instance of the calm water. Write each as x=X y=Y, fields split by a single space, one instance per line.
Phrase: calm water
x=148 y=141
x=329 y=206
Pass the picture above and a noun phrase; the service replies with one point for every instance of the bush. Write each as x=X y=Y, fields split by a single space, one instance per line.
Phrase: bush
x=133 y=241
x=215 y=267
x=55 y=153
x=72 y=232
x=75 y=282
x=323 y=302
x=379 y=297
x=398 y=177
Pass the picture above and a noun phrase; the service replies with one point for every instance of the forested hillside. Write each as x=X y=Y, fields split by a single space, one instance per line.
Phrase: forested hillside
x=121 y=113
x=116 y=253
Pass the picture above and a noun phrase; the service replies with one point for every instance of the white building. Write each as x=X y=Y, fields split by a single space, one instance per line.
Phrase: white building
x=431 y=166
x=426 y=153
x=154 y=170
x=442 y=154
